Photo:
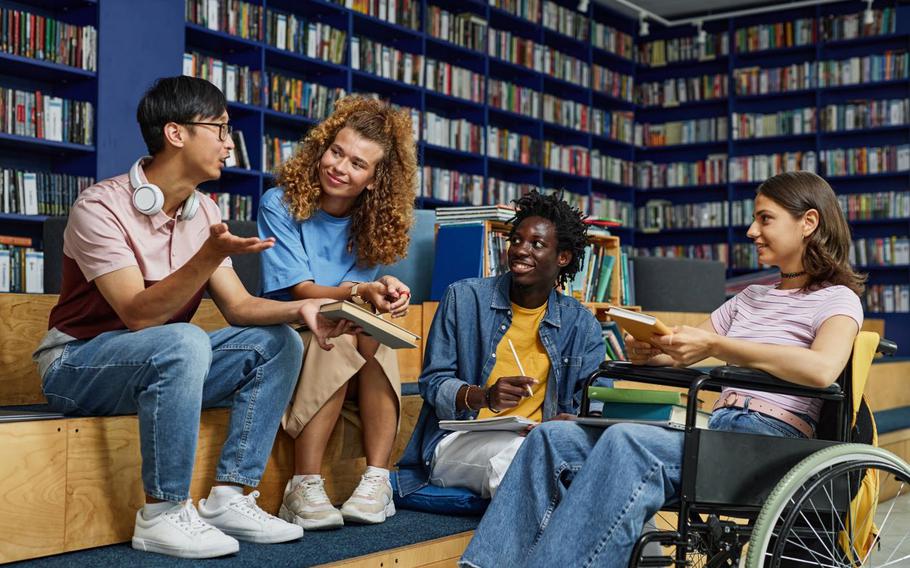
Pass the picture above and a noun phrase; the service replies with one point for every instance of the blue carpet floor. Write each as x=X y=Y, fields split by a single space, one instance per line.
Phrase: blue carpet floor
x=316 y=547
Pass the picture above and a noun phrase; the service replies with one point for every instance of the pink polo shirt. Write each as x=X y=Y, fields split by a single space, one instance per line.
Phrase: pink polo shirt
x=106 y=233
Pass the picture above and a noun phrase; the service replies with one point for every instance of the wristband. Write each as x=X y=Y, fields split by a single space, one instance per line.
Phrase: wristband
x=490 y=402
x=466 y=392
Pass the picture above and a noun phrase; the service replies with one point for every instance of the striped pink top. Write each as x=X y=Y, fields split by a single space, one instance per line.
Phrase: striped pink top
x=784 y=317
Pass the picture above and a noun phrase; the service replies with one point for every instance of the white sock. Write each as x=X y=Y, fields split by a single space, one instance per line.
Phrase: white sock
x=374 y=471
x=298 y=479
x=221 y=495
x=152 y=510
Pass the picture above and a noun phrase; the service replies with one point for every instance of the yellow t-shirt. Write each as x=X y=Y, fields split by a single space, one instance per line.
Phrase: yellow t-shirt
x=526 y=339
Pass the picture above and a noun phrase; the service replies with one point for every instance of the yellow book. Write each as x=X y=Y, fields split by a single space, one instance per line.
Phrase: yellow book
x=642 y=327
x=381 y=330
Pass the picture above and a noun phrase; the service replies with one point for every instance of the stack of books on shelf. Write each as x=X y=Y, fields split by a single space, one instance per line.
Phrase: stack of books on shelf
x=595 y=280
x=658 y=407
x=616 y=125
x=402 y=12
x=710 y=171
x=571 y=114
x=760 y=167
x=659 y=214
x=681 y=90
x=234 y=17
x=502 y=191
x=239 y=157
x=465 y=29
x=759 y=81
x=512 y=146
x=852 y=26
x=866 y=160
x=451 y=185
x=232 y=206
x=889 y=66
x=613 y=83
x=791 y=122
x=613 y=341
x=603 y=207
x=565 y=21
x=39 y=193
x=453 y=133
x=239 y=83
x=276 y=151
x=513 y=98
x=612 y=40
x=791 y=33
x=878 y=205
x=39 y=37
x=21 y=266
x=453 y=81
x=858 y=115
x=573 y=160
x=707 y=251
x=614 y=170
x=742 y=212
x=474 y=215
x=745 y=257
x=662 y=52
x=515 y=49
x=887 y=298
x=36 y=115
x=527 y=9
x=562 y=66
x=693 y=131
x=387 y=62
x=294 y=96
x=882 y=251
x=310 y=38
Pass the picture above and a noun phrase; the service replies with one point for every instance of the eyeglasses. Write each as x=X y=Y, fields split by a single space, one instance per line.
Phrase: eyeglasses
x=224 y=129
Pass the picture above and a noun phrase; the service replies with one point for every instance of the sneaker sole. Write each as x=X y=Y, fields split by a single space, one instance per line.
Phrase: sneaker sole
x=370 y=518
x=285 y=514
x=286 y=535
x=160 y=548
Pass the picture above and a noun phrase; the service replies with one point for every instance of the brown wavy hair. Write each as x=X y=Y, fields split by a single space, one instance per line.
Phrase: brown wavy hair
x=826 y=258
x=382 y=216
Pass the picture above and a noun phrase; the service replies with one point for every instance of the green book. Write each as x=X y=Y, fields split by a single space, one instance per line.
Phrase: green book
x=636 y=396
x=606 y=271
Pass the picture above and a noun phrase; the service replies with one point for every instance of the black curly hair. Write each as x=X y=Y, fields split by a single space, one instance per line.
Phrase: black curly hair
x=571 y=231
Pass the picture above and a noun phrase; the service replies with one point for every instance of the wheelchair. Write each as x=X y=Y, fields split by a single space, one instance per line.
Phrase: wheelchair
x=756 y=501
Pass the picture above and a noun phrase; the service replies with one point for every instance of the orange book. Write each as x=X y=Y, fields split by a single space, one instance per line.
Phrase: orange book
x=15 y=241
x=642 y=327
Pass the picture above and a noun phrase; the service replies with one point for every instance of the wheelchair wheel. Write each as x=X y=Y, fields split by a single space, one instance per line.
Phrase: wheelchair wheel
x=807 y=519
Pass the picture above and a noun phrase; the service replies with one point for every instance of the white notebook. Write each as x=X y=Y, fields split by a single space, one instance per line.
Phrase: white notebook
x=510 y=423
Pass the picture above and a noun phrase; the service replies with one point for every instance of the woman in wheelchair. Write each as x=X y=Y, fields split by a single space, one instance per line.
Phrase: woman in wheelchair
x=579 y=496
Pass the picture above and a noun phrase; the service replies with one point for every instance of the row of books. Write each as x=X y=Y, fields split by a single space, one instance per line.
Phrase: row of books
x=858 y=115
x=502 y=191
x=865 y=160
x=611 y=169
x=310 y=38
x=889 y=66
x=454 y=133
x=577 y=200
x=294 y=96
x=662 y=52
x=659 y=214
x=527 y=9
x=277 y=150
x=852 y=26
x=707 y=251
x=21 y=267
x=612 y=83
x=239 y=157
x=563 y=66
x=608 y=405
x=692 y=131
x=239 y=83
x=682 y=90
x=887 y=298
x=34 y=114
x=402 y=12
x=568 y=113
x=758 y=168
x=881 y=251
x=503 y=44
x=792 y=33
x=232 y=206
x=878 y=205
x=612 y=40
x=39 y=193
x=616 y=125
x=759 y=81
x=742 y=212
x=513 y=146
x=235 y=17
x=47 y=39
x=710 y=171
x=744 y=256
x=594 y=280
x=473 y=214
x=613 y=341
x=465 y=29
x=575 y=160
x=513 y=98
x=792 y=122
x=497 y=247
x=454 y=81
x=451 y=185
x=565 y=21
x=385 y=61
x=603 y=207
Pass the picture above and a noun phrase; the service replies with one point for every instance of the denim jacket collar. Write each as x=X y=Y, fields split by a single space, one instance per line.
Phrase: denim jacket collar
x=501 y=300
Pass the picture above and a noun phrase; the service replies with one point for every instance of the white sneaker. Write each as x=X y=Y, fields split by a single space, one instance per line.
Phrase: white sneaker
x=180 y=532
x=243 y=519
x=306 y=504
x=371 y=502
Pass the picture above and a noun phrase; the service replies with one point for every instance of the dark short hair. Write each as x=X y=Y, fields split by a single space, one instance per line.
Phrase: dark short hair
x=176 y=99
x=571 y=231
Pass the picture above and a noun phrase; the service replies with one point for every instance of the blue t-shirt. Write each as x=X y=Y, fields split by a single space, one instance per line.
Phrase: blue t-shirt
x=314 y=249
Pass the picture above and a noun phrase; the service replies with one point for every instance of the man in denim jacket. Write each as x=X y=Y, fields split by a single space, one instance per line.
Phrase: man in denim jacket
x=507 y=345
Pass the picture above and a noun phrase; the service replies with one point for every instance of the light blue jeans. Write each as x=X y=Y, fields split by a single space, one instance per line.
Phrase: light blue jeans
x=167 y=374
x=579 y=496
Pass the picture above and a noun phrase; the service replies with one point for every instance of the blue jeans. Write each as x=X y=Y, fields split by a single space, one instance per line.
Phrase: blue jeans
x=579 y=496
x=167 y=374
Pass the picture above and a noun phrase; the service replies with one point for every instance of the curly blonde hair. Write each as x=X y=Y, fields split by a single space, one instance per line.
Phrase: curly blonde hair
x=382 y=216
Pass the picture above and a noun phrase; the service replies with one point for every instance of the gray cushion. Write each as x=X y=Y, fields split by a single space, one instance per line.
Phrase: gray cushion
x=678 y=284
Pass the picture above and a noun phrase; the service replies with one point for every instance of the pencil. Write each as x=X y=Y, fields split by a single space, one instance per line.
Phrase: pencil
x=520 y=368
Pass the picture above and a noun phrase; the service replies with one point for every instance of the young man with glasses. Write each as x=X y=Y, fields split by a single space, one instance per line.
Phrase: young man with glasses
x=140 y=249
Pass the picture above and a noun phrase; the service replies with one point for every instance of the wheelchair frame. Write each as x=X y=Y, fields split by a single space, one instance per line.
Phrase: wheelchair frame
x=715 y=477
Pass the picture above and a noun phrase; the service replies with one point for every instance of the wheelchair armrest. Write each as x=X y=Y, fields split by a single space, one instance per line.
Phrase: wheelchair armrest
x=886 y=347
x=670 y=376
x=753 y=379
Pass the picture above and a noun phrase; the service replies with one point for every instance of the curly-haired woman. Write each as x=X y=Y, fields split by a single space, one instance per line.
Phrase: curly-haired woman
x=343 y=208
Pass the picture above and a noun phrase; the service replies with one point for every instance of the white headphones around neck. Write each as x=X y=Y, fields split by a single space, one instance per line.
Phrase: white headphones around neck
x=148 y=198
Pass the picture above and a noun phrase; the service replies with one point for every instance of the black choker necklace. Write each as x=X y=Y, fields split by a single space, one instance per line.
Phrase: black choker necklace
x=792 y=274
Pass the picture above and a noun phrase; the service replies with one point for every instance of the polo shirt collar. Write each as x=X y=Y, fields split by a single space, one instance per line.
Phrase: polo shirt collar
x=501 y=300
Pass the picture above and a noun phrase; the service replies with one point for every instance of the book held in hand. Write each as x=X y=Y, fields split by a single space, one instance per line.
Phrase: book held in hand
x=642 y=327
x=508 y=423
x=381 y=330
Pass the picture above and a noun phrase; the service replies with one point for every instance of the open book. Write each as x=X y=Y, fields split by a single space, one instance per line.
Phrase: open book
x=383 y=331
x=640 y=326
x=511 y=423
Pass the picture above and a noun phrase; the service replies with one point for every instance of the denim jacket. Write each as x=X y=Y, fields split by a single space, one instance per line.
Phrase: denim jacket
x=471 y=319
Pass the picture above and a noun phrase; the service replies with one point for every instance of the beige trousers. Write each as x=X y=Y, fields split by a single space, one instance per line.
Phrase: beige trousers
x=324 y=372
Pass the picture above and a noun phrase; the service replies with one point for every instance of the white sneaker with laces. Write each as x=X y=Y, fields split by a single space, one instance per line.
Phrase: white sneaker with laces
x=306 y=504
x=371 y=502
x=180 y=532
x=243 y=519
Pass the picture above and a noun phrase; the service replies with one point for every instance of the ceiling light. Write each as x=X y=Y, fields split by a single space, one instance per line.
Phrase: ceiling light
x=583 y=6
x=868 y=15
x=643 y=27
x=702 y=35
